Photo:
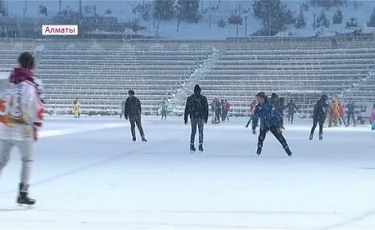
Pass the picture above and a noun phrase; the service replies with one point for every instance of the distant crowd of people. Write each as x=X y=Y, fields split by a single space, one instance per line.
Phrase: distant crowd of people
x=220 y=110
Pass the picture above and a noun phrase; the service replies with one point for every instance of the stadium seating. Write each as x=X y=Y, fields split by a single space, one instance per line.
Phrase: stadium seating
x=100 y=74
x=101 y=78
x=301 y=74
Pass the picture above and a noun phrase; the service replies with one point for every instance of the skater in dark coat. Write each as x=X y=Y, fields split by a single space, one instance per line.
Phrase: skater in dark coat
x=270 y=120
x=291 y=109
x=275 y=100
x=197 y=109
x=132 y=112
x=218 y=111
x=351 y=111
x=252 y=109
x=319 y=116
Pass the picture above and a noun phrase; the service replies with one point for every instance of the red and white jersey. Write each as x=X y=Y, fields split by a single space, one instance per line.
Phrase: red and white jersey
x=21 y=109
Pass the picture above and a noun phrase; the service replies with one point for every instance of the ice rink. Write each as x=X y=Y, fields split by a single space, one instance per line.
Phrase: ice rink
x=88 y=174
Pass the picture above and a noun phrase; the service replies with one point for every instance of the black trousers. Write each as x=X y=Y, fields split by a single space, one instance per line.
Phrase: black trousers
x=291 y=117
x=224 y=115
x=217 y=116
x=342 y=120
x=197 y=122
x=315 y=123
x=248 y=123
x=351 y=115
x=164 y=115
x=136 y=121
x=274 y=130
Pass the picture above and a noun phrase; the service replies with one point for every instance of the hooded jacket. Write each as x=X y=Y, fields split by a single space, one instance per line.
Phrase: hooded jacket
x=321 y=108
x=21 y=106
x=196 y=106
x=268 y=114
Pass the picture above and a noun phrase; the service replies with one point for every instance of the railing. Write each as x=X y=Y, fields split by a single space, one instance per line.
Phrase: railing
x=251 y=42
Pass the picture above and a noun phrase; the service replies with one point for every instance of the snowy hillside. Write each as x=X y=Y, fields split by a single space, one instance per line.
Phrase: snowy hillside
x=168 y=29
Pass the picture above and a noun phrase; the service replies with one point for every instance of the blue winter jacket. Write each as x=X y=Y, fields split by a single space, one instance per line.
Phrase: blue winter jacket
x=268 y=115
x=351 y=107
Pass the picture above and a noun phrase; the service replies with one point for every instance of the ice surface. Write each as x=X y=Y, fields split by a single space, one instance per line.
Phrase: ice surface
x=95 y=177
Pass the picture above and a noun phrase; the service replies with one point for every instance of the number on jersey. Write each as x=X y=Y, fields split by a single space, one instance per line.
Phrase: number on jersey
x=10 y=104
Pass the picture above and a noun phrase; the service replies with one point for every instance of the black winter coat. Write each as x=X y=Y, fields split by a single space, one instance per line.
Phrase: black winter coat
x=320 y=110
x=196 y=107
x=132 y=107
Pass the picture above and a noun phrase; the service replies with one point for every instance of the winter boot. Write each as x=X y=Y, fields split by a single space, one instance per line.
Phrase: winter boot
x=200 y=147
x=23 y=197
x=192 y=148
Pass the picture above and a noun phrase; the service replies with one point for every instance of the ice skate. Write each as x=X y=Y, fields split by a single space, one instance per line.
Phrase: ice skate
x=144 y=139
x=200 y=147
x=311 y=137
x=134 y=139
x=320 y=136
x=259 y=150
x=23 y=197
x=287 y=150
x=192 y=149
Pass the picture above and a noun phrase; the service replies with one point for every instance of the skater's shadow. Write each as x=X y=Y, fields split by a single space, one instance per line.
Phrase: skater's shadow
x=14 y=209
x=367 y=168
x=243 y=157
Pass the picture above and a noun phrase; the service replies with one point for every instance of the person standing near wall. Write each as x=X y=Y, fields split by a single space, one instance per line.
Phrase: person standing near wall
x=372 y=118
x=197 y=109
x=164 y=109
x=122 y=109
x=252 y=108
x=351 y=112
x=227 y=109
x=133 y=112
x=291 y=109
x=76 y=108
x=319 y=116
x=341 y=114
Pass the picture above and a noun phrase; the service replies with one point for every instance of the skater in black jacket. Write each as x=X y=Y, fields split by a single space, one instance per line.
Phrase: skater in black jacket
x=197 y=108
x=270 y=120
x=291 y=109
x=319 y=116
x=132 y=111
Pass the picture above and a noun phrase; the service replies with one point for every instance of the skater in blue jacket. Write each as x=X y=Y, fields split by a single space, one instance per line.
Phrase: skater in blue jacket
x=270 y=120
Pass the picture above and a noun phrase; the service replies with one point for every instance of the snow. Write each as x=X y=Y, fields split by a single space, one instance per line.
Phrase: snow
x=94 y=177
x=203 y=30
x=39 y=48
